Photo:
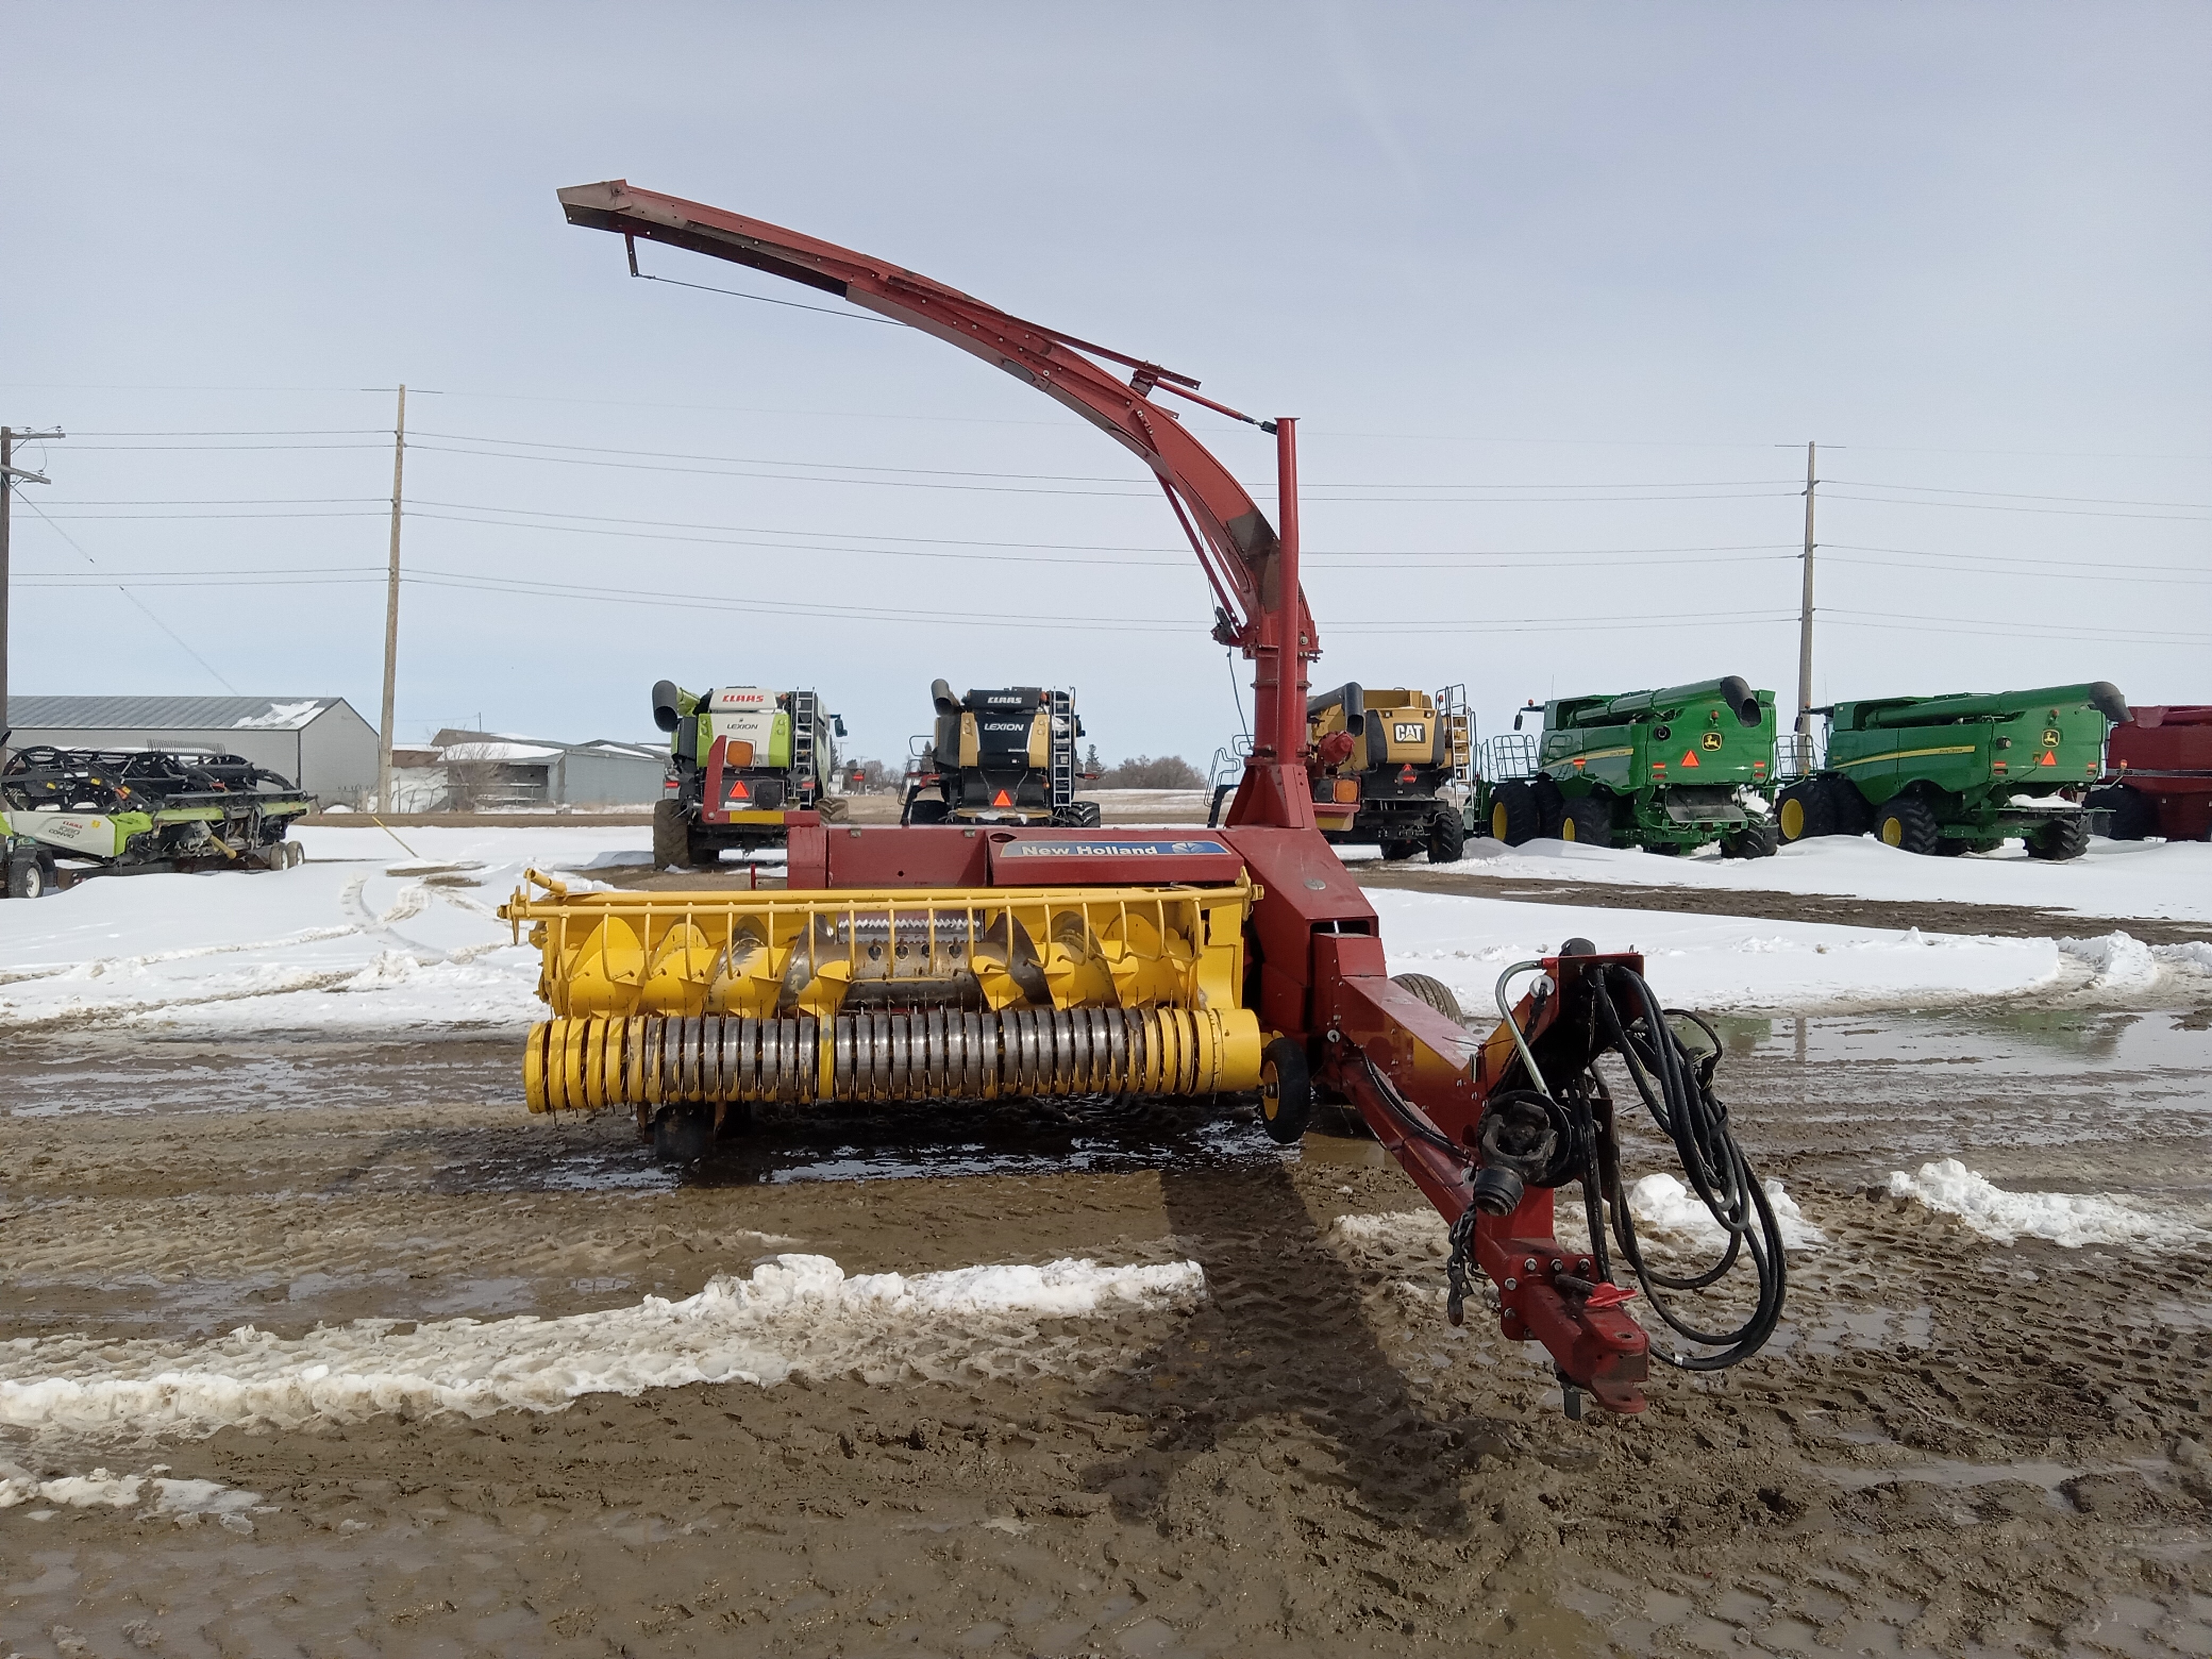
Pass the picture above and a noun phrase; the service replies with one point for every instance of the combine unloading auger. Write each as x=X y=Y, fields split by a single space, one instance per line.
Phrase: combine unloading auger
x=954 y=962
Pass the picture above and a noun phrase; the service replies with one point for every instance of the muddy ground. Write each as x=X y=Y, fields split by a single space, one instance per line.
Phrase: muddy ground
x=1953 y=1446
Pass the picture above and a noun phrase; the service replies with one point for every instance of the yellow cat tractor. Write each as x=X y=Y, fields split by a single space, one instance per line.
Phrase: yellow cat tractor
x=931 y=964
x=1391 y=767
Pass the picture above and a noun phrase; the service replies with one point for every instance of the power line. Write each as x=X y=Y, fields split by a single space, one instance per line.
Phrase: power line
x=140 y=603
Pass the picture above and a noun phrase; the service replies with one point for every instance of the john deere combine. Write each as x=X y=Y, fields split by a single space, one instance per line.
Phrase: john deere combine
x=999 y=757
x=969 y=959
x=122 y=811
x=1391 y=767
x=1669 y=771
x=1948 y=775
x=739 y=759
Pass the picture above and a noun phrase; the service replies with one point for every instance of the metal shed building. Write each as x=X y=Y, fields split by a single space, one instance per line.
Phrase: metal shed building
x=318 y=743
x=494 y=768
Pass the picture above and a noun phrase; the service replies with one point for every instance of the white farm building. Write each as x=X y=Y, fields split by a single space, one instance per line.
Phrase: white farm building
x=318 y=743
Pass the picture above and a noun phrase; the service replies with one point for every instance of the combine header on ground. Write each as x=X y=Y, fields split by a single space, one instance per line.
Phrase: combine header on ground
x=1961 y=774
x=1669 y=771
x=958 y=961
x=144 y=810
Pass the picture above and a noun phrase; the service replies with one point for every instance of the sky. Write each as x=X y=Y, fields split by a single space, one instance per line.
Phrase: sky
x=1558 y=293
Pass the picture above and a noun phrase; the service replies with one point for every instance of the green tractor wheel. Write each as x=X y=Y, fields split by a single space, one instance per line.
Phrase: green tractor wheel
x=1802 y=811
x=672 y=845
x=2059 y=840
x=1587 y=822
x=1909 y=825
x=1514 y=817
x=1758 y=839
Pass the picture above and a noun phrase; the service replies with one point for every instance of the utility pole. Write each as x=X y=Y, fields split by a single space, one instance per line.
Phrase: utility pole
x=1805 y=625
x=9 y=473
x=392 y=612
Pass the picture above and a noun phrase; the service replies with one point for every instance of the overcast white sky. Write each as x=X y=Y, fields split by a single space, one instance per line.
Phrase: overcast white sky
x=1554 y=290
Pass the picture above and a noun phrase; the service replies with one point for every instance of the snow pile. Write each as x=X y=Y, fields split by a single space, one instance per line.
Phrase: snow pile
x=1667 y=1211
x=186 y=1500
x=2067 y=1219
x=795 y=1313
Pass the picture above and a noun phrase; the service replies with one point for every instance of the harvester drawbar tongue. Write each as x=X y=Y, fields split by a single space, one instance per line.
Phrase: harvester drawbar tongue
x=966 y=961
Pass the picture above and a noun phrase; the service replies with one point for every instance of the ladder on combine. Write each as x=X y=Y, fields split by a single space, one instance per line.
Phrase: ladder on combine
x=1063 y=749
x=805 y=784
x=1458 y=728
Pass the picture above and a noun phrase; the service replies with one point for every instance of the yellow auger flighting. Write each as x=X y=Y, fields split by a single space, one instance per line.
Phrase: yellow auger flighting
x=722 y=999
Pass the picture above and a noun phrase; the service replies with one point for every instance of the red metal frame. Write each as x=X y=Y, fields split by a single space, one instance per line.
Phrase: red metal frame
x=1319 y=966
x=2166 y=753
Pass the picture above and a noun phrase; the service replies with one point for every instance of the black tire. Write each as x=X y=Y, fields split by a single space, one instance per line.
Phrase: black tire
x=1447 y=836
x=294 y=854
x=1222 y=792
x=834 y=808
x=2135 y=815
x=1550 y=807
x=1850 y=813
x=682 y=1134
x=27 y=879
x=1077 y=815
x=1394 y=851
x=1802 y=812
x=1758 y=839
x=1286 y=1091
x=919 y=810
x=2059 y=840
x=1434 y=992
x=1908 y=824
x=1514 y=818
x=671 y=837
x=1587 y=821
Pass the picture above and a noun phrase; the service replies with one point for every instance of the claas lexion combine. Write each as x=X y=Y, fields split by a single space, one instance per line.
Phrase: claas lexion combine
x=947 y=962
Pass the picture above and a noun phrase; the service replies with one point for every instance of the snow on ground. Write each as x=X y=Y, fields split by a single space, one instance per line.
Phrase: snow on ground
x=2071 y=1219
x=1734 y=962
x=793 y=1313
x=2114 y=878
x=372 y=936
x=365 y=934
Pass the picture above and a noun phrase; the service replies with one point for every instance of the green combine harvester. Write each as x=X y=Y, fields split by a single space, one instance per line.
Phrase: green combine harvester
x=1669 y=771
x=1948 y=775
x=121 y=812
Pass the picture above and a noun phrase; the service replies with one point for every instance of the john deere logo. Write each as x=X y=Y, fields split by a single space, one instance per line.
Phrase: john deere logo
x=2050 y=738
x=1711 y=740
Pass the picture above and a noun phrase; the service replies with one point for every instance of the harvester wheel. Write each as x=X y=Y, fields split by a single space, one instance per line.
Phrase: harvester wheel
x=1077 y=815
x=294 y=854
x=27 y=878
x=682 y=1134
x=1908 y=824
x=1587 y=822
x=2059 y=840
x=1395 y=850
x=1758 y=839
x=1550 y=807
x=919 y=810
x=2135 y=815
x=1447 y=836
x=671 y=844
x=1286 y=1091
x=1802 y=811
x=1850 y=813
x=1434 y=992
x=1513 y=815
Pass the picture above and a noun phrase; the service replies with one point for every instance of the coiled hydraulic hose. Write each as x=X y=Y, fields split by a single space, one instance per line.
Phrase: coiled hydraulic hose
x=1676 y=1089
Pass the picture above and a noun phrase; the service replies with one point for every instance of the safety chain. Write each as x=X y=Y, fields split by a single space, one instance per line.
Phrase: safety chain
x=1456 y=1270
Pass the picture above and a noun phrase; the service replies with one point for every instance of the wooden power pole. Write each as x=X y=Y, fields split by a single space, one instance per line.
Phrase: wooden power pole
x=392 y=612
x=1805 y=625
x=10 y=474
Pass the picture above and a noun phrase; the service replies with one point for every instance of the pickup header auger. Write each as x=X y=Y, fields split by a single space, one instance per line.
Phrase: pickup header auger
x=945 y=961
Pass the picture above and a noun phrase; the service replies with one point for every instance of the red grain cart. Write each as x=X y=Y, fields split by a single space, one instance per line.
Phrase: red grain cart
x=2157 y=774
